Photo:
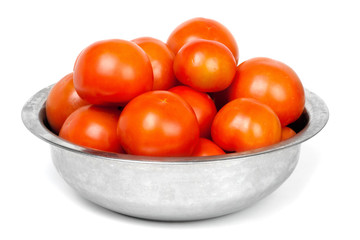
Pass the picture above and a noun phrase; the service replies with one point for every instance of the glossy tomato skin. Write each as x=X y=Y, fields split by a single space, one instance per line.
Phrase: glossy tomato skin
x=158 y=123
x=61 y=102
x=272 y=83
x=112 y=72
x=162 y=59
x=202 y=28
x=245 y=124
x=202 y=104
x=93 y=127
x=205 y=65
x=205 y=147
x=287 y=133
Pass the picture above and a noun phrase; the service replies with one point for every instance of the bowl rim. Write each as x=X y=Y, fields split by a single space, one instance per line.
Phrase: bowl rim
x=33 y=112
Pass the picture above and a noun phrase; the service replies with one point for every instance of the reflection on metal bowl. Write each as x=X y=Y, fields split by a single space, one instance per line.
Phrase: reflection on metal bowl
x=173 y=188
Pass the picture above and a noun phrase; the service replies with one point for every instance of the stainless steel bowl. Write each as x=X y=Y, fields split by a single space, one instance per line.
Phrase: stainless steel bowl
x=172 y=188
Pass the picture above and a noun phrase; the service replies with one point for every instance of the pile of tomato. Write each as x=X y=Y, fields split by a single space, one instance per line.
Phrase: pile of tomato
x=186 y=97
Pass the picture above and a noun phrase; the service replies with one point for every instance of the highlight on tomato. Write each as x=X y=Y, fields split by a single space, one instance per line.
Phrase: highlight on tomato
x=245 y=124
x=158 y=123
x=202 y=28
x=202 y=104
x=272 y=83
x=183 y=97
x=162 y=59
x=112 y=72
x=61 y=102
x=205 y=65
x=93 y=127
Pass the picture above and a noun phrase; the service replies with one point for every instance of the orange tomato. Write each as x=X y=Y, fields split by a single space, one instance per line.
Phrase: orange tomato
x=287 y=133
x=61 y=102
x=112 y=72
x=93 y=127
x=205 y=65
x=202 y=105
x=272 y=83
x=205 y=147
x=202 y=28
x=161 y=58
x=158 y=123
x=245 y=124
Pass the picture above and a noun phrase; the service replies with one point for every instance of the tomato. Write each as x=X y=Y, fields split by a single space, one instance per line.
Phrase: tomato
x=93 y=127
x=287 y=133
x=61 y=102
x=205 y=147
x=162 y=59
x=205 y=65
x=202 y=28
x=245 y=124
x=272 y=83
x=202 y=105
x=112 y=72
x=158 y=123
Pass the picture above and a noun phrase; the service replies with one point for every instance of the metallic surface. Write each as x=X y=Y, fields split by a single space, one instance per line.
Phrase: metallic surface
x=175 y=189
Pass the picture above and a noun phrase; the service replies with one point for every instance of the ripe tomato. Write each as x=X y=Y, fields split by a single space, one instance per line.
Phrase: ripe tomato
x=245 y=124
x=202 y=28
x=205 y=65
x=158 y=123
x=202 y=105
x=112 y=72
x=205 y=147
x=61 y=102
x=287 y=133
x=272 y=83
x=93 y=127
x=162 y=59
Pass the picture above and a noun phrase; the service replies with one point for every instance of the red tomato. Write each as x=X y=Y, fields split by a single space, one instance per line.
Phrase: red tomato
x=205 y=147
x=162 y=59
x=272 y=83
x=61 y=102
x=245 y=124
x=202 y=105
x=158 y=123
x=287 y=133
x=205 y=65
x=112 y=72
x=202 y=28
x=93 y=127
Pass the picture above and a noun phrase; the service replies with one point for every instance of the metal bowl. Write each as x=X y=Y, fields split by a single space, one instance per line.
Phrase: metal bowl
x=173 y=188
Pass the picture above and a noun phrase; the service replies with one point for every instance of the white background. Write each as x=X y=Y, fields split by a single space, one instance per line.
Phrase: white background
x=319 y=39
